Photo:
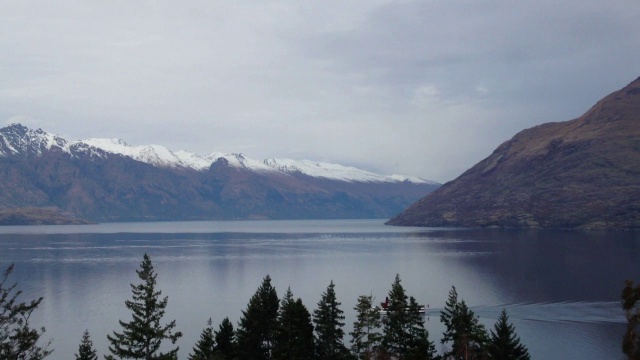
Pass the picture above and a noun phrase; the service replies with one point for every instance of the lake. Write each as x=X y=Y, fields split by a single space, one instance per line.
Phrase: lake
x=561 y=289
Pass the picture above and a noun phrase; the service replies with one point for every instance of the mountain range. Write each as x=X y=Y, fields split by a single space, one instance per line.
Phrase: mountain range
x=109 y=180
x=582 y=173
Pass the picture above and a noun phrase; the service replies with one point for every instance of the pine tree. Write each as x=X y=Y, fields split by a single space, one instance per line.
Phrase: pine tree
x=142 y=337
x=463 y=330
x=328 y=327
x=85 y=349
x=257 y=327
x=18 y=340
x=631 y=307
x=295 y=331
x=505 y=343
x=448 y=315
x=365 y=337
x=284 y=336
x=205 y=348
x=225 y=340
x=396 y=339
x=304 y=345
x=404 y=334
x=420 y=348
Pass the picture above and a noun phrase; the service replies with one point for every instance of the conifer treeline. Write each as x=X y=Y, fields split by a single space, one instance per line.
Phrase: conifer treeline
x=284 y=329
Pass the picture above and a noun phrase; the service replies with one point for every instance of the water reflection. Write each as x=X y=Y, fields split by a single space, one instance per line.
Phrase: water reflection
x=561 y=289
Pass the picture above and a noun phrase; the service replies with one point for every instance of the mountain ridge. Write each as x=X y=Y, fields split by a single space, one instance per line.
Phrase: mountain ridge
x=580 y=173
x=161 y=156
x=108 y=180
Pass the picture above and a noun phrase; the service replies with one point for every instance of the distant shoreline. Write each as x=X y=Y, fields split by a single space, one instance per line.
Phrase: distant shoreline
x=39 y=216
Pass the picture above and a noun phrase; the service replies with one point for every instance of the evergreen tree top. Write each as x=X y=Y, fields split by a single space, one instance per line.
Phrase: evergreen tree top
x=85 y=349
x=18 y=340
x=257 y=326
x=404 y=334
x=328 y=319
x=464 y=332
x=365 y=337
x=142 y=337
x=505 y=343
x=225 y=339
x=205 y=347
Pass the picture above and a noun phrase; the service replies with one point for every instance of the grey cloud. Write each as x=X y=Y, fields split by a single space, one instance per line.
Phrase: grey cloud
x=422 y=88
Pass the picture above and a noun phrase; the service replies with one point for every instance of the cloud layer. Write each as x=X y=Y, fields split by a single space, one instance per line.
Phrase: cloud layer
x=424 y=88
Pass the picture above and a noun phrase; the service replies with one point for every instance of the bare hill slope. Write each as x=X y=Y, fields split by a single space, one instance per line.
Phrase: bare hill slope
x=583 y=173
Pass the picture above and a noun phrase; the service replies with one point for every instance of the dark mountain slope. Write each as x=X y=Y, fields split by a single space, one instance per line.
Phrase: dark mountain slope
x=40 y=170
x=117 y=188
x=583 y=173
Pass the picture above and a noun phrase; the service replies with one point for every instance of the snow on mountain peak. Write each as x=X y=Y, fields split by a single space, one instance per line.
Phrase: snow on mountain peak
x=17 y=139
x=193 y=161
x=334 y=171
x=156 y=155
x=115 y=145
x=20 y=140
x=241 y=161
x=412 y=179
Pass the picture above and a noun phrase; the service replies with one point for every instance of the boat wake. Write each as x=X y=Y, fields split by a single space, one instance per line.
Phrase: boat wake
x=567 y=311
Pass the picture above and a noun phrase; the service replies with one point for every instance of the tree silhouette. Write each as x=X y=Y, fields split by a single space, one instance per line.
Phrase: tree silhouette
x=505 y=343
x=18 y=340
x=404 y=334
x=420 y=348
x=463 y=330
x=257 y=327
x=294 y=340
x=142 y=337
x=85 y=349
x=328 y=320
x=631 y=307
x=225 y=340
x=205 y=348
x=365 y=337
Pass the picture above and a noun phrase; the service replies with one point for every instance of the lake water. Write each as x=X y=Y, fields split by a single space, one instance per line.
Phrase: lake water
x=560 y=289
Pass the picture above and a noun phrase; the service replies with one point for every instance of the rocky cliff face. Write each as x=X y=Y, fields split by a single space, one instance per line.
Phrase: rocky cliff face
x=583 y=173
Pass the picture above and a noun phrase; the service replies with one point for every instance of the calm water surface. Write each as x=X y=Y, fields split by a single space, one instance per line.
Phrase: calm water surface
x=561 y=289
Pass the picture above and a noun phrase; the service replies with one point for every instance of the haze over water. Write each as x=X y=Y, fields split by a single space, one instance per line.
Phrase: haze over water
x=561 y=289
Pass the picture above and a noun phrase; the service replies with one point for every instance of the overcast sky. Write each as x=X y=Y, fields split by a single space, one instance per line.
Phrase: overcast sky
x=424 y=88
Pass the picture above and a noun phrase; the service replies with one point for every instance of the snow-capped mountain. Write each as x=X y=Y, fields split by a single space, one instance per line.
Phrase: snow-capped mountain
x=160 y=156
x=17 y=139
x=336 y=171
x=155 y=155
x=241 y=161
x=110 y=180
